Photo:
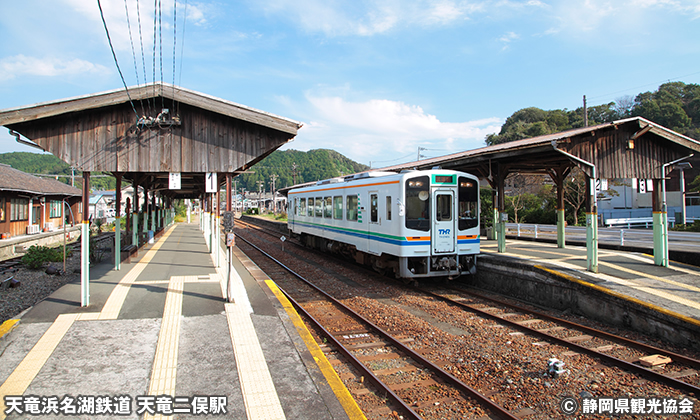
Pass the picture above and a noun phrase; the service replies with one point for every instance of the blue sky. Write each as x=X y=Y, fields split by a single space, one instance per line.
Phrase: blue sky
x=372 y=80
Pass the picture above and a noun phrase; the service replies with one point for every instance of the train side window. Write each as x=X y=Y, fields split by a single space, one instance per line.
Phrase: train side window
x=327 y=207
x=351 y=208
x=302 y=207
x=468 y=203
x=319 y=207
x=388 y=208
x=418 y=203
x=338 y=207
x=310 y=207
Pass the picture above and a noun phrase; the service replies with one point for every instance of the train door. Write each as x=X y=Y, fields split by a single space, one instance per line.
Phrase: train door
x=443 y=231
x=374 y=223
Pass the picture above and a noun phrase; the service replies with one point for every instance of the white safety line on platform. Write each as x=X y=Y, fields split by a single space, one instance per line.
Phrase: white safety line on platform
x=259 y=394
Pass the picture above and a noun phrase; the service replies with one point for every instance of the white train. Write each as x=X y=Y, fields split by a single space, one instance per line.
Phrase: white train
x=412 y=224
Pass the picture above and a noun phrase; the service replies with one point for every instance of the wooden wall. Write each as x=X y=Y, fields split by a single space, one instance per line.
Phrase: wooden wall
x=609 y=150
x=106 y=139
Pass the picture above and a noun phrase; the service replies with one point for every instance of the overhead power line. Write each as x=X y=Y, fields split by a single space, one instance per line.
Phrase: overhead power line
x=115 y=58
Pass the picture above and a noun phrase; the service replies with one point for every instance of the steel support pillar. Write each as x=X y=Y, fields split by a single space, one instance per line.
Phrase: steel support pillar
x=85 y=244
x=118 y=224
x=658 y=204
x=502 y=215
x=591 y=225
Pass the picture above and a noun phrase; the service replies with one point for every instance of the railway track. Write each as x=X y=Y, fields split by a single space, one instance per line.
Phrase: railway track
x=497 y=349
x=350 y=332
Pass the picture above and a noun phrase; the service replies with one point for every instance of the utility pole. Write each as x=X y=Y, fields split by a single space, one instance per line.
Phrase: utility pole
x=260 y=190
x=274 y=203
x=294 y=173
x=585 y=112
x=420 y=149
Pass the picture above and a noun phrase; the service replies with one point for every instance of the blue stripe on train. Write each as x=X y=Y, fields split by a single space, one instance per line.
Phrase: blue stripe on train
x=366 y=235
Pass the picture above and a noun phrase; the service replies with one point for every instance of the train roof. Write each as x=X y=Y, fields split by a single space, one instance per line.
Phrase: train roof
x=360 y=176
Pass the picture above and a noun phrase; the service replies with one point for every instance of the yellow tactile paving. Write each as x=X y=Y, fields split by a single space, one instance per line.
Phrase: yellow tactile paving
x=7 y=326
x=164 y=371
x=29 y=367
x=116 y=299
x=346 y=400
x=259 y=394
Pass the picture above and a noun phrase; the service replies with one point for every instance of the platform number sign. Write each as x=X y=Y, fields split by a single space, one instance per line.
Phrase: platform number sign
x=174 y=181
x=211 y=184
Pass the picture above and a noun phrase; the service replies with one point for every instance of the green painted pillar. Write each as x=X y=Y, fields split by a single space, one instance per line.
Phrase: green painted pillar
x=591 y=226
x=494 y=200
x=558 y=175
x=85 y=244
x=502 y=232
x=118 y=224
x=561 y=228
x=135 y=229
x=502 y=215
x=658 y=205
x=592 y=241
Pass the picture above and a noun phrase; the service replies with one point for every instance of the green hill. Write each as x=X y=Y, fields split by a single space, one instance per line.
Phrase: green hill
x=310 y=166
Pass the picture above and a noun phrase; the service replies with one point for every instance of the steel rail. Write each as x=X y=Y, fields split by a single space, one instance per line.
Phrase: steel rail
x=672 y=382
x=447 y=377
x=602 y=334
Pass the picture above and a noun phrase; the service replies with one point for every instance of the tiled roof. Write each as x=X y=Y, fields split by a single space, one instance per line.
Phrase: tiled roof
x=14 y=180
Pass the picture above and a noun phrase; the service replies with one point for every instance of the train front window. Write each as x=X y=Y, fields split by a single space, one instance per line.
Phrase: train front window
x=443 y=207
x=468 y=203
x=418 y=203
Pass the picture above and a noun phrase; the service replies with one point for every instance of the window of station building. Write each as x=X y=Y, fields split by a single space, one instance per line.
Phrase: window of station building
x=388 y=208
x=418 y=203
x=338 y=207
x=319 y=207
x=19 y=209
x=328 y=207
x=302 y=207
x=351 y=208
x=2 y=209
x=468 y=196
x=55 y=209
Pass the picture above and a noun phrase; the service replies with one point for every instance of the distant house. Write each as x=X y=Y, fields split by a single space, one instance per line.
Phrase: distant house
x=29 y=204
x=102 y=204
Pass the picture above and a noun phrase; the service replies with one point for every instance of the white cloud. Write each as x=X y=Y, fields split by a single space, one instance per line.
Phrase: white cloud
x=21 y=65
x=365 y=18
x=384 y=130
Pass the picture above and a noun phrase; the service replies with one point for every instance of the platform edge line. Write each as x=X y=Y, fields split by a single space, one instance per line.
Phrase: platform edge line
x=346 y=400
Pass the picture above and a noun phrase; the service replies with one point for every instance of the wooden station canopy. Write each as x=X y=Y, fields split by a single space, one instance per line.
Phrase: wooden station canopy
x=629 y=148
x=149 y=131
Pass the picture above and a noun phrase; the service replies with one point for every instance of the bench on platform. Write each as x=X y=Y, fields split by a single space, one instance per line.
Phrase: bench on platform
x=129 y=250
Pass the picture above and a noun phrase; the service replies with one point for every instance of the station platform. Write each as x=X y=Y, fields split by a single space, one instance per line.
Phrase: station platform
x=159 y=341
x=675 y=288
